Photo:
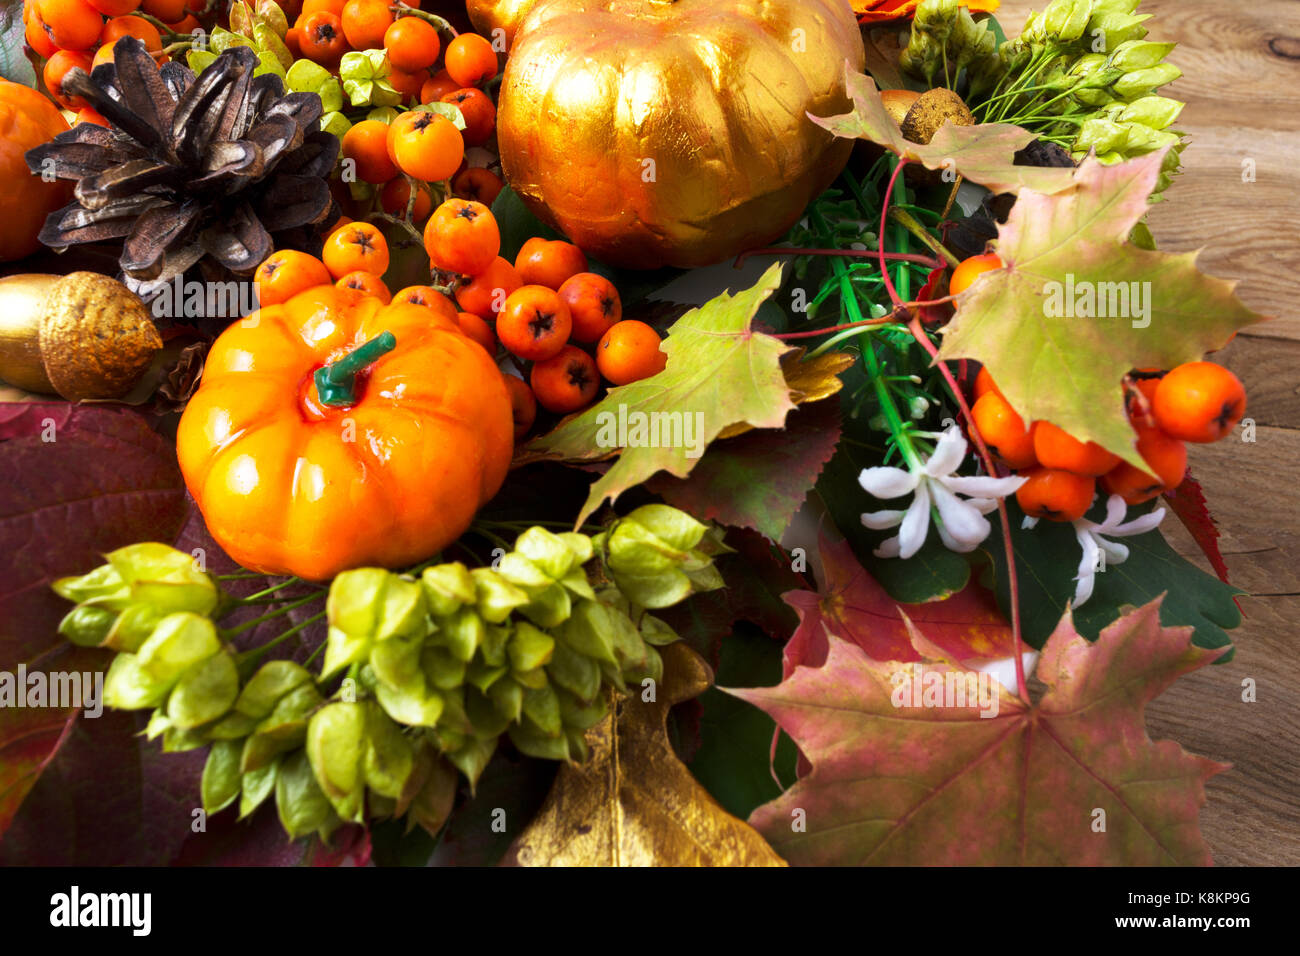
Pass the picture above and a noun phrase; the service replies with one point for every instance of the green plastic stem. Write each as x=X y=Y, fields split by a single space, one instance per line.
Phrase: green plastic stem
x=336 y=383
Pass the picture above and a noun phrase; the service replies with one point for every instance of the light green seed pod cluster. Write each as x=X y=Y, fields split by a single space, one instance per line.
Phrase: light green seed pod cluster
x=1081 y=74
x=416 y=669
x=261 y=27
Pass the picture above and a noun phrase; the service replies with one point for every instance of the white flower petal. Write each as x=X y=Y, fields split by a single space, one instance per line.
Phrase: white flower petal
x=1086 y=576
x=880 y=520
x=984 y=486
x=963 y=522
x=983 y=505
x=916 y=523
x=949 y=542
x=1115 y=552
x=888 y=548
x=1148 y=522
x=1028 y=523
x=888 y=482
x=1115 y=511
x=948 y=454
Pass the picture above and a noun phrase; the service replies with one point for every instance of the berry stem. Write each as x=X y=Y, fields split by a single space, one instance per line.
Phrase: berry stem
x=922 y=337
x=255 y=653
x=441 y=24
x=884 y=222
x=272 y=615
x=847 y=253
x=912 y=225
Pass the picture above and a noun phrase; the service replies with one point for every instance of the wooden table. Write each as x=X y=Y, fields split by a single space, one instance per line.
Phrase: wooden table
x=1242 y=87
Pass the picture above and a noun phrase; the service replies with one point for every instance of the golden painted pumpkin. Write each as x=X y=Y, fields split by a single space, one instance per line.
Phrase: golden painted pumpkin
x=489 y=15
x=675 y=132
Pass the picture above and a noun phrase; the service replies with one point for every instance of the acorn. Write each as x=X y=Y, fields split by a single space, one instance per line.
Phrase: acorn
x=930 y=111
x=79 y=336
x=898 y=102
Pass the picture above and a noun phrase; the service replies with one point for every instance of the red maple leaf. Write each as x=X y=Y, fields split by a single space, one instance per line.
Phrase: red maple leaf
x=986 y=778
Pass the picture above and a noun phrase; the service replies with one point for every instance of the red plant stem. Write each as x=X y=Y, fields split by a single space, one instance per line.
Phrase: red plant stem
x=1013 y=585
x=880 y=244
x=847 y=253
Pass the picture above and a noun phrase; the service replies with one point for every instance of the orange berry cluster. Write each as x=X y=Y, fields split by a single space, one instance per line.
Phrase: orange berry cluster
x=546 y=307
x=81 y=33
x=1195 y=402
x=423 y=145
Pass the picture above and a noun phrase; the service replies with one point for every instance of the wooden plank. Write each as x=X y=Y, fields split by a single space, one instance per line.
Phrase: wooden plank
x=1242 y=87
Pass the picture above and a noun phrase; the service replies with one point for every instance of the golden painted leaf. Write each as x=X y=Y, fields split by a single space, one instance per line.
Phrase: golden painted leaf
x=633 y=803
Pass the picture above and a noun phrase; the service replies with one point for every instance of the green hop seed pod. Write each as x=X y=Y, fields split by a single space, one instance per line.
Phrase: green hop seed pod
x=415 y=709
x=255 y=786
x=1065 y=20
x=336 y=748
x=529 y=647
x=1135 y=55
x=179 y=642
x=472 y=757
x=222 y=782
x=448 y=588
x=302 y=804
x=1109 y=30
x=1103 y=135
x=368 y=605
x=204 y=692
x=1140 y=83
x=87 y=626
x=535 y=742
x=1114 y=6
x=1156 y=112
x=495 y=596
x=283 y=729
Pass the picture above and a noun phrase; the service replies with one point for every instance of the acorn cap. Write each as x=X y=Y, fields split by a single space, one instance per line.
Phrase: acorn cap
x=931 y=110
x=96 y=337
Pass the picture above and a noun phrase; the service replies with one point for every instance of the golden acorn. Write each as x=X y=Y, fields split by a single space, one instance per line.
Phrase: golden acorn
x=930 y=111
x=80 y=336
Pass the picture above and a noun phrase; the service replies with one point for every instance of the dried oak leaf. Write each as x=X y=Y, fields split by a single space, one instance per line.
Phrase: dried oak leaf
x=633 y=803
x=1072 y=778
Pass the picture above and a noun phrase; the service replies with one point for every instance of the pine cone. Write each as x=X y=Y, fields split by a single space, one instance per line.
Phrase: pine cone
x=224 y=165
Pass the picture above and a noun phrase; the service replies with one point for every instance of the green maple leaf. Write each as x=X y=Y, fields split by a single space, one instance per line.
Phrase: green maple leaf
x=720 y=372
x=902 y=781
x=1051 y=361
x=984 y=154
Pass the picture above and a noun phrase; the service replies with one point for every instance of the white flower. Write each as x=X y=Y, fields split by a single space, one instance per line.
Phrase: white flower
x=1090 y=535
x=962 y=525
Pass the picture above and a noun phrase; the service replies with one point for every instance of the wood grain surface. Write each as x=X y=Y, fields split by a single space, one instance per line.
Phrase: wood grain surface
x=1241 y=83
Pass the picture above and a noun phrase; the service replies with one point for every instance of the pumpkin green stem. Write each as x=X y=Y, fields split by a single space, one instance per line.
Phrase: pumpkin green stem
x=336 y=383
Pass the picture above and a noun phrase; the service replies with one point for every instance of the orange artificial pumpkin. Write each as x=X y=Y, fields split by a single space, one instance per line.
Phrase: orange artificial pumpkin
x=657 y=133
x=315 y=443
x=27 y=119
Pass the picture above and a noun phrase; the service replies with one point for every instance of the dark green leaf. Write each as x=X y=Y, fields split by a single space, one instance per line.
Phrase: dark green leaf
x=735 y=737
x=1047 y=557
